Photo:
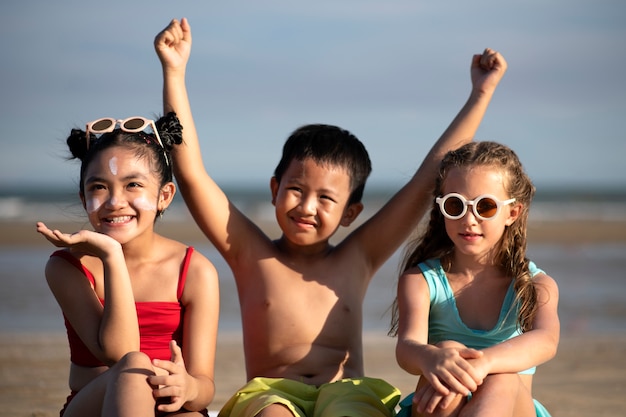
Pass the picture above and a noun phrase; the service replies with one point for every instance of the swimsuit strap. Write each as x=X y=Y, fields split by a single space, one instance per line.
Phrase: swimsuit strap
x=183 y=273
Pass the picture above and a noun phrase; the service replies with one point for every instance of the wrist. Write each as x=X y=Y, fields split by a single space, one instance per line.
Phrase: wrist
x=174 y=73
x=479 y=94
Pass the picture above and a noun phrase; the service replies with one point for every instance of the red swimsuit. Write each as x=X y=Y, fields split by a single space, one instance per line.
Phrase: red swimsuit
x=159 y=321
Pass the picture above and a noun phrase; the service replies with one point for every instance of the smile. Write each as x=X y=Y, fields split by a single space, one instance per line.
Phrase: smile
x=121 y=219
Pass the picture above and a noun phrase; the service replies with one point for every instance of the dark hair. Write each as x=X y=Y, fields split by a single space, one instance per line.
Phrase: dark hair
x=332 y=145
x=142 y=143
x=435 y=243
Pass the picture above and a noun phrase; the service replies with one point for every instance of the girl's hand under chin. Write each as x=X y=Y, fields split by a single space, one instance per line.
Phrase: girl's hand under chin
x=81 y=242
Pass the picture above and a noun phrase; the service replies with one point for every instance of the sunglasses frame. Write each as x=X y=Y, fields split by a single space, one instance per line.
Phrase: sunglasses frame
x=121 y=122
x=441 y=201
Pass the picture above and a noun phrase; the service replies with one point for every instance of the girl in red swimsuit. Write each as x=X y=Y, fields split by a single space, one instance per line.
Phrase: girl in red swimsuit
x=141 y=310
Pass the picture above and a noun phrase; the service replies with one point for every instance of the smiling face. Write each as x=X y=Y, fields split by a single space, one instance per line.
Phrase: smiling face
x=122 y=194
x=471 y=235
x=311 y=202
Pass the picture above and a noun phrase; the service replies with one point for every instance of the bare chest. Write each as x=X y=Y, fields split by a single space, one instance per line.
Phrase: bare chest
x=479 y=303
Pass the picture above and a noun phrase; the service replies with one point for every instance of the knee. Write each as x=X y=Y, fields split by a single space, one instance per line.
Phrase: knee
x=501 y=385
x=278 y=410
x=134 y=360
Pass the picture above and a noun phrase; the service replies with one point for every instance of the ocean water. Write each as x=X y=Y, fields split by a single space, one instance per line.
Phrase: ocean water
x=591 y=277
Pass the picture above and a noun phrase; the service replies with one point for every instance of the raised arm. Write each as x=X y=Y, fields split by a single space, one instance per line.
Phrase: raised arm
x=220 y=221
x=381 y=235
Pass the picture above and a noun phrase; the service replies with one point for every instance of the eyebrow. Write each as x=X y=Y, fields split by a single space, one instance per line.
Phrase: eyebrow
x=131 y=176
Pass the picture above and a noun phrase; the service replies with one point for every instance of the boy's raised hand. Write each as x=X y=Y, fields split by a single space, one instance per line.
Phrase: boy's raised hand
x=173 y=44
x=487 y=70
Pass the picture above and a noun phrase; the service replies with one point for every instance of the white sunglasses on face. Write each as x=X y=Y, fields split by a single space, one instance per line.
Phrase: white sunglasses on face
x=485 y=207
x=130 y=125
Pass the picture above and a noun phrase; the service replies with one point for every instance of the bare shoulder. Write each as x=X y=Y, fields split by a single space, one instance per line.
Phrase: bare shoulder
x=198 y=266
x=60 y=268
x=412 y=283
x=546 y=286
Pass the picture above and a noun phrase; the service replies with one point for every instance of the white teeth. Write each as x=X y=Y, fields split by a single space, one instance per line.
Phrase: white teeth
x=118 y=219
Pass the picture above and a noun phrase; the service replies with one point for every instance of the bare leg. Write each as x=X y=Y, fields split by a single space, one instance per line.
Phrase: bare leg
x=501 y=395
x=275 y=410
x=129 y=393
x=121 y=389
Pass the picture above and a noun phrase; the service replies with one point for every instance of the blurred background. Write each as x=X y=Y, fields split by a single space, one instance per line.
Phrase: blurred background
x=394 y=73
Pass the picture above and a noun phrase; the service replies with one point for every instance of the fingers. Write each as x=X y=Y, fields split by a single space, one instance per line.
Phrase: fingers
x=177 y=354
x=174 y=366
x=169 y=35
x=186 y=28
x=173 y=384
x=456 y=380
x=427 y=399
x=469 y=353
x=55 y=237
x=491 y=59
x=174 y=33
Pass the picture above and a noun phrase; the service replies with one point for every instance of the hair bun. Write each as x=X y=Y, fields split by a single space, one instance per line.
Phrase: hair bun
x=170 y=130
x=77 y=142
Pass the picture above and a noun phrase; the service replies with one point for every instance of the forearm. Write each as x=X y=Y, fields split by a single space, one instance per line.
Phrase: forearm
x=520 y=353
x=201 y=393
x=119 y=329
x=460 y=131
x=409 y=355
x=175 y=98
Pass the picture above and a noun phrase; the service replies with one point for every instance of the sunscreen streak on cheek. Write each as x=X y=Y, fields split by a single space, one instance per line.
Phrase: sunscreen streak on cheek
x=113 y=165
x=93 y=205
x=143 y=204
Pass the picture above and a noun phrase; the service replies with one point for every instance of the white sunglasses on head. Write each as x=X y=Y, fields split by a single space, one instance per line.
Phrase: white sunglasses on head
x=130 y=125
x=485 y=207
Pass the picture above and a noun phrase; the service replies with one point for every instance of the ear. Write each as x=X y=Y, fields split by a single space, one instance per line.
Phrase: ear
x=82 y=200
x=274 y=189
x=350 y=213
x=514 y=213
x=166 y=195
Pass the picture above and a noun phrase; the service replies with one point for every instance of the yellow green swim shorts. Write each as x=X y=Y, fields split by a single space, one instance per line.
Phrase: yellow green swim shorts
x=347 y=397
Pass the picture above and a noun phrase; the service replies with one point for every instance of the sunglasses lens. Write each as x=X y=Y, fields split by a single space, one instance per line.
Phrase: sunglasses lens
x=486 y=207
x=134 y=124
x=453 y=206
x=101 y=125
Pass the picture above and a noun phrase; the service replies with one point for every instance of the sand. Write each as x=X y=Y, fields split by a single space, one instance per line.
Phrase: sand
x=587 y=377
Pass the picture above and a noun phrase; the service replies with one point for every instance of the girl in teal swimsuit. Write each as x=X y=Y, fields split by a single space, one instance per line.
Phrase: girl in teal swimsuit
x=473 y=315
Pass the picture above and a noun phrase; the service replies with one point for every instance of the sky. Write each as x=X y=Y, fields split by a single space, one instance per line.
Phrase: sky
x=394 y=73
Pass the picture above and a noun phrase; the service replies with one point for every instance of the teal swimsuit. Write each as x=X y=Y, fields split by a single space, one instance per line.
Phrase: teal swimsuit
x=444 y=321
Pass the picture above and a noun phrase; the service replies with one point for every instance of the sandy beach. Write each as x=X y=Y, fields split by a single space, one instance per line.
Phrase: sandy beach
x=587 y=377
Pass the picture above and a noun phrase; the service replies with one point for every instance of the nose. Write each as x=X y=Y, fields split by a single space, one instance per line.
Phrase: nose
x=116 y=200
x=308 y=204
x=470 y=216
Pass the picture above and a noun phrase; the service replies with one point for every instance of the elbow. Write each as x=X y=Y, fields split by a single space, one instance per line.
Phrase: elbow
x=112 y=354
x=553 y=348
x=405 y=358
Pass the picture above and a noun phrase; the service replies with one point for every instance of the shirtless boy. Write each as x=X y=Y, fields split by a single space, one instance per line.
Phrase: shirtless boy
x=300 y=297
